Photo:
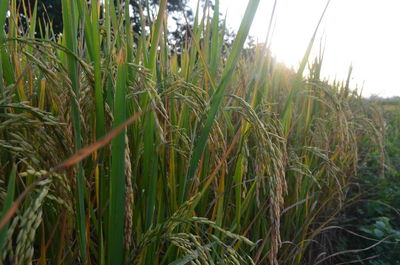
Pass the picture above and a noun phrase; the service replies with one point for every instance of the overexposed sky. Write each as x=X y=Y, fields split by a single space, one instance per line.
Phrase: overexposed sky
x=364 y=33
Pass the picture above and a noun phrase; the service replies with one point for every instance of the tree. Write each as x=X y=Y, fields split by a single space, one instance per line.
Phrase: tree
x=47 y=11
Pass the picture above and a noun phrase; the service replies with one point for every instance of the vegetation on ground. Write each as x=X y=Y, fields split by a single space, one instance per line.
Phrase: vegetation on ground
x=373 y=216
x=118 y=148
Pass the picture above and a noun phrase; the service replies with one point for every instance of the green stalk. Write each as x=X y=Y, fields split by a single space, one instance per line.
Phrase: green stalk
x=92 y=37
x=117 y=175
x=5 y=64
x=214 y=51
x=70 y=31
x=107 y=24
x=3 y=11
x=7 y=204
x=150 y=152
x=4 y=6
x=299 y=77
x=156 y=37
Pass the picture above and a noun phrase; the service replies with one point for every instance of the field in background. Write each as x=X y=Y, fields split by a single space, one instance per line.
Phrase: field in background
x=117 y=149
x=374 y=213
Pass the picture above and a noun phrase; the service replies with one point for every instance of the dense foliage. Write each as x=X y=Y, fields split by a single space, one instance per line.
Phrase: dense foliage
x=374 y=216
x=116 y=151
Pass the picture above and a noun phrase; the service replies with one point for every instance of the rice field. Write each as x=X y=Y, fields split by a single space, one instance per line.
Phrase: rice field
x=117 y=149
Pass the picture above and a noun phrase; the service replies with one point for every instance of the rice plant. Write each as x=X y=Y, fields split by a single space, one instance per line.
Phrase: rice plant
x=117 y=148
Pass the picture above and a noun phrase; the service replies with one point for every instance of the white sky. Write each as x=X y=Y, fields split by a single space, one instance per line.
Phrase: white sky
x=364 y=33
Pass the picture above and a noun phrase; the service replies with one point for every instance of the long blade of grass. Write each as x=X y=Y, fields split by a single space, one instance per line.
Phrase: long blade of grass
x=92 y=37
x=304 y=61
x=299 y=76
x=117 y=175
x=3 y=12
x=149 y=156
x=226 y=76
x=70 y=31
x=4 y=6
x=7 y=204
x=214 y=52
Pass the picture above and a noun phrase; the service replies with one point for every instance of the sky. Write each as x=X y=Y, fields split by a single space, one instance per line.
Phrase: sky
x=361 y=33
